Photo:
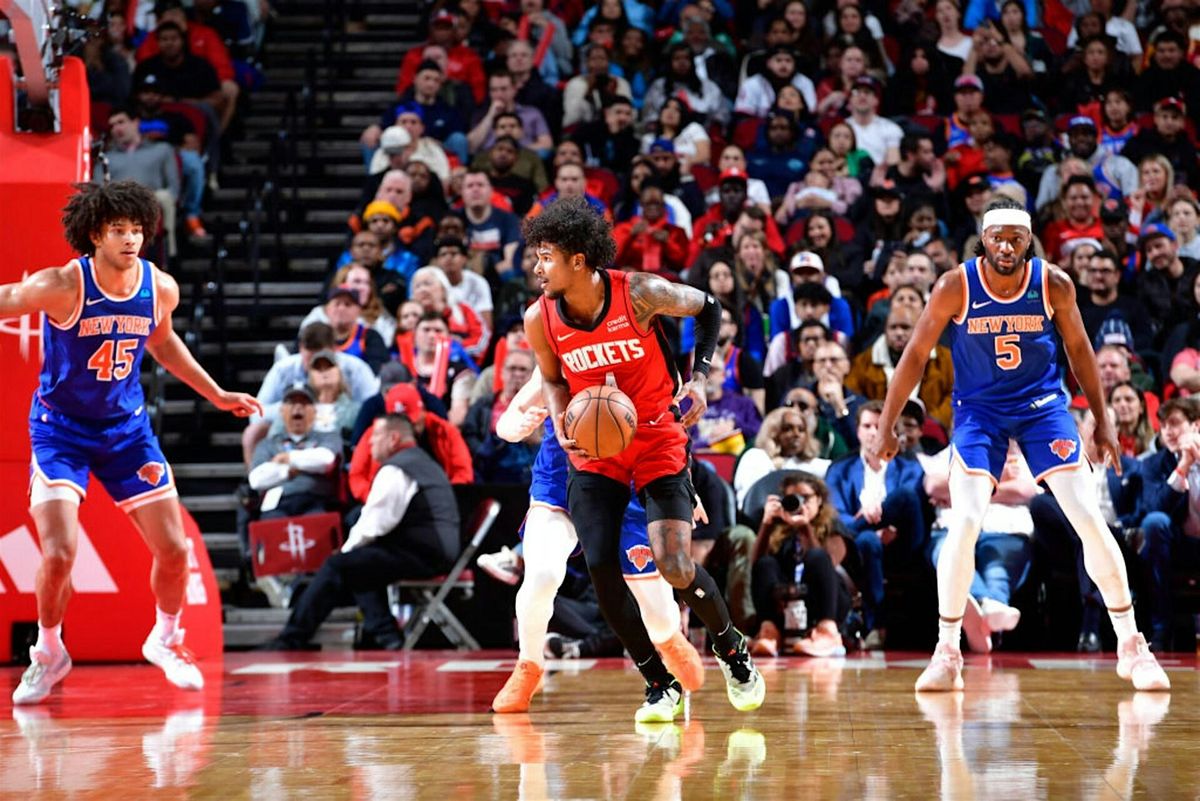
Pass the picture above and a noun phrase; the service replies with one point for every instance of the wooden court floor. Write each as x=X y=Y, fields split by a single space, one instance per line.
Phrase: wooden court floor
x=379 y=726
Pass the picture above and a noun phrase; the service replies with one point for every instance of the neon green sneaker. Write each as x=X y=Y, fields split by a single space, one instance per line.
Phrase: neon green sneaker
x=743 y=683
x=662 y=704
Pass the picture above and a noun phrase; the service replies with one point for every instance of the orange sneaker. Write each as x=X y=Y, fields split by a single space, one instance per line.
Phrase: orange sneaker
x=514 y=696
x=681 y=659
x=195 y=227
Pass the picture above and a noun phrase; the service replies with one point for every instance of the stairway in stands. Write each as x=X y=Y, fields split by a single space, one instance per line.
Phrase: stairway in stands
x=349 y=77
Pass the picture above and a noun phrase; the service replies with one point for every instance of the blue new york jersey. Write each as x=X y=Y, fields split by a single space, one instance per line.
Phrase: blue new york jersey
x=1005 y=356
x=92 y=362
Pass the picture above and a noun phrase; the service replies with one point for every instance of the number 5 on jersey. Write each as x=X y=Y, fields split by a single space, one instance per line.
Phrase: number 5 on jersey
x=1008 y=351
x=113 y=359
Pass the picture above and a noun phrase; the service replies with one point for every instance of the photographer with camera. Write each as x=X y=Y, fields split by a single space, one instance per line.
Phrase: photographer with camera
x=794 y=578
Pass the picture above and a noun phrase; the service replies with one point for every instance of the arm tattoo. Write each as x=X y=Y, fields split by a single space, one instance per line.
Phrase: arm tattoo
x=652 y=296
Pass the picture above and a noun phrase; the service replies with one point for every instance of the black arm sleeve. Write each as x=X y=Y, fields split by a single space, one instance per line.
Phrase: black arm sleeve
x=708 y=325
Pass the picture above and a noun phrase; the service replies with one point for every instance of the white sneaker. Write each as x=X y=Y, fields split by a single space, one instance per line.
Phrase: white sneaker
x=975 y=627
x=944 y=672
x=998 y=616
x=744 y=685
x=39 y=678
x=1137 y=664
x=662 y=704
x=176 y=661
x=504 y=565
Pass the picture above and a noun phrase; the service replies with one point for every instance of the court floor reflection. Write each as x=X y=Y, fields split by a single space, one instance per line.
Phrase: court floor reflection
x=830 y=729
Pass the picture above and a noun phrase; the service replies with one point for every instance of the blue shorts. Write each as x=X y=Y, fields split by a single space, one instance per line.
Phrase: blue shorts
x=124 y=455
x=1048 y=437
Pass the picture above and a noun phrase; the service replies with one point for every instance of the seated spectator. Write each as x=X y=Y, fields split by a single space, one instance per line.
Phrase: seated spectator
x=443 y=119
x=791 y=351
x=528 y=164
x=467 y=288
x=822 y=188
x=366 y=251
x=392 y=154
x=1115 y=362
x=872 y=369
x=732 y=158
x=677 y=124
x=293 y=369
x=410 y=117
x=1171 y=72
x=351 y=334
x=502 y=92
x=538 y=24
x=336 y=411
x=587 y=94
x=800 y=543
x=717 y=226
x=757 y=93
x=493 y=234
x=1003 y=551
x=680 y=79
x=177 y=130
x=495 y=460
x=570 y=180
x=151 y=164
x=408 y=529
x=830 y=444
x=434 y=435
x=833 y=92
x=668 y=171
x=461 y=62
x=879 y=136
x=781 y=156
x=1115 y=176
x=783 y=443
x=109 y=74
x=1165 y=275
x=1135 y=430
x=1168 y=138
x=1053 y=533
x=359 y=278
x=807 y=267
x=1102 y=299
x=879 y=505
x=731 y=419
x=501 y=171
x=1079 y=202
x=202 y=41
x=383 y=219
x=649 y=242
x=1183 y=218
x=295 y=468
x=1171 y=525
x=184 y=76
x=610 y=141
x=432 y=354
x=390 y=375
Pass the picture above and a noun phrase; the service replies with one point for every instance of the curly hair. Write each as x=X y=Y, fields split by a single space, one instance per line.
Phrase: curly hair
x=94 y=206
x=823 y=525
x=769 y=431
x=573 y=226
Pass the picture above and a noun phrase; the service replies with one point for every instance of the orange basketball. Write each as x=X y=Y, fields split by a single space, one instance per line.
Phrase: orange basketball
x=602 y=420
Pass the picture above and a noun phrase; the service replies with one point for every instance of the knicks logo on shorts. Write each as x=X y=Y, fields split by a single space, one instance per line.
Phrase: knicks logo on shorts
x=1063 y=448
x=639 y=556
x=152 y=472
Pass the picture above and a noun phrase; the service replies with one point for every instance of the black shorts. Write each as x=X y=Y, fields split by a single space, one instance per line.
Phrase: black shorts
x=592 y=496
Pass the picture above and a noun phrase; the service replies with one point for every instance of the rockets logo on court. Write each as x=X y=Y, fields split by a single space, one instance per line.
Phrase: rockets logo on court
x=152 y=473
x=1063 y=448
x=639 y=556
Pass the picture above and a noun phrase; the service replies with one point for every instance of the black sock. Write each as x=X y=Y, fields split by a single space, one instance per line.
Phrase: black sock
x=654 y=671
x=707 y=602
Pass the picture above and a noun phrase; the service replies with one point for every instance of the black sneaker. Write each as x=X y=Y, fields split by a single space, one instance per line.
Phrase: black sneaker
x=560 y=647
x=743 y=683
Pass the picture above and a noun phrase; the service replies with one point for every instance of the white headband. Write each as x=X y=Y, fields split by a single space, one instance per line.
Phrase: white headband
x=1007 y=217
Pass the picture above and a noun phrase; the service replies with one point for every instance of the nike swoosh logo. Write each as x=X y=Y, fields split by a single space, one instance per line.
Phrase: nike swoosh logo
x=981 y=305
x=93 y=301
x=566 y=336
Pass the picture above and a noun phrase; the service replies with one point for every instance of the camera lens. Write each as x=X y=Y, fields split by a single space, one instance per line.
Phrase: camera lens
x=791 y=502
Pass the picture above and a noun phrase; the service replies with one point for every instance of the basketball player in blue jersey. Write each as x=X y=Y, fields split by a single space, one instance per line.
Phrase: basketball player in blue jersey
x=1005 y=307
x=101 y=312
x=550 y=539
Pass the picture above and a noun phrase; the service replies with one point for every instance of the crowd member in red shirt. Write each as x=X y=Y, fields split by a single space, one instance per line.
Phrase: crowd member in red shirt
x=649 y=242
x=716 y=226
x=462 y=63
x=1080 y=201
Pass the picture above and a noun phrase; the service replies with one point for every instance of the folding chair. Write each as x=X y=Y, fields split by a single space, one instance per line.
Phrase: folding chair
x=433 y=592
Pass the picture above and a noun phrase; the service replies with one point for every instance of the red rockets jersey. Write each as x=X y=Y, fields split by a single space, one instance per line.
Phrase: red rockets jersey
x=637 y=360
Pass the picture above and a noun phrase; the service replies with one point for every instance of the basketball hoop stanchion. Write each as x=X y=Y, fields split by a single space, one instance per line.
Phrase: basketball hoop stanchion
x=112 y=608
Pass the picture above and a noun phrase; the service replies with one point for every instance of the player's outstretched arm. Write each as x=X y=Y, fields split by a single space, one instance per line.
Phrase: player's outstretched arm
x=652 y=296
x=1082 y=358
x=54 y=290
x=945 y=304
x=525 y=413
x=168 y=350
x=554 y=385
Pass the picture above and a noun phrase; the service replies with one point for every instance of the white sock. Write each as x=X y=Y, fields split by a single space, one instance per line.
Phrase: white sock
x=49 y=640
x=1123 y=624
x=166 y=625
x=950 y=632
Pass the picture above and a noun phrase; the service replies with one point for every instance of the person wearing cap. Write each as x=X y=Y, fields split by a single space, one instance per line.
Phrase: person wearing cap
x=203 y=42
x=152 y=164
x=352 y=336
x=411 y=117
x=1165 y=277
x=716 y=226
x=382 y=219
x=359 y=276
x=1040 y=148
x=786 y=313
x=443 y=120
x=1007 y=310
x=442 y=441
x=678 y=125
x=1113 y=175
x=462 y=63
x=648 y=241
x=968 y=101
x=1169 y=138
x=1079 y=202
x=669 y=172
x=756 y=96
x=295 y=469
x=395 y=147
x=408 y=529
x=879 y=136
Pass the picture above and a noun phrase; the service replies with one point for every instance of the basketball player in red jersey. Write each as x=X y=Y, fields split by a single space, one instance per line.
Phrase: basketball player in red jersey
x=595 y=326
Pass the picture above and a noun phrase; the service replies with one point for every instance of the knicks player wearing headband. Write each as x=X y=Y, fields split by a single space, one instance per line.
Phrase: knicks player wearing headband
x=1004 y=307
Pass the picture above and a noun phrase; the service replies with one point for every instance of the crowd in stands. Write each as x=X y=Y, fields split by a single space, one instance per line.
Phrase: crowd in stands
x=165 y=79
x=816 y=167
